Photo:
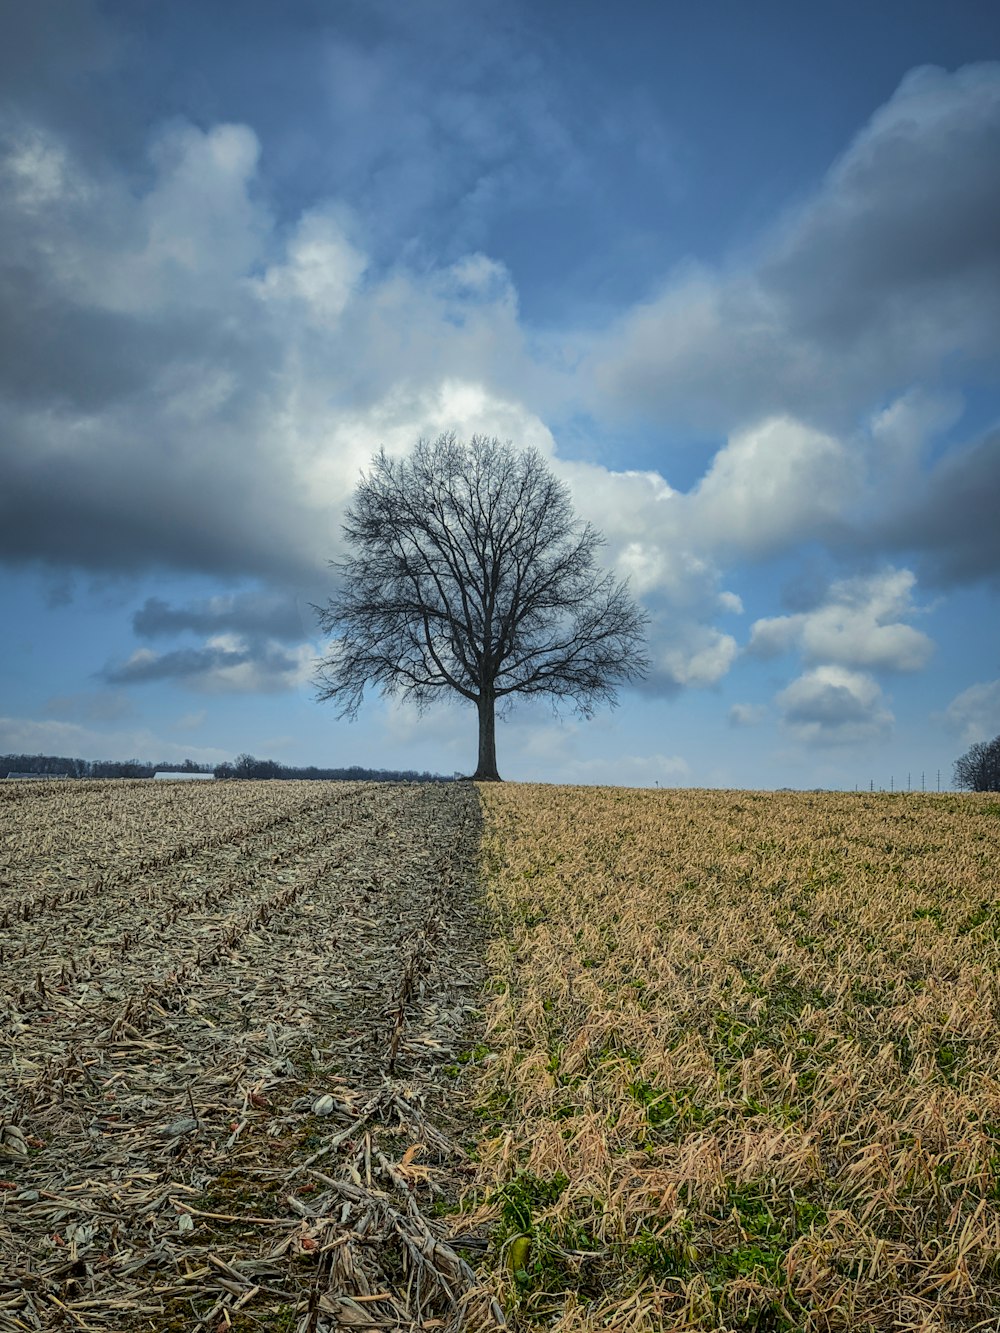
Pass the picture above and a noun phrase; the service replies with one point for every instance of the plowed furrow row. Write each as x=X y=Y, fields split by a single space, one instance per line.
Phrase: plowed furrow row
x=32 y=906
x=82 y=1034
x=176 y=1089
x=148 y=965
x=46 y=952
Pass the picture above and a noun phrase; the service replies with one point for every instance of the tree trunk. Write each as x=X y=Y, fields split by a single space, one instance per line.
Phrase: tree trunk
x=486 y=769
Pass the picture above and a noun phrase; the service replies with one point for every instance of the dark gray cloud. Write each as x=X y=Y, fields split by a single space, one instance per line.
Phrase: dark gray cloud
x=832 y=705
x=231 y=668
x=60 y=351
x=137 y=366
x=829 y=704
x=953 y=523
x=134 y=499
x=54 y=355
x=889 y=273
x=904 y=230
x=176 y=665
x=255 y=614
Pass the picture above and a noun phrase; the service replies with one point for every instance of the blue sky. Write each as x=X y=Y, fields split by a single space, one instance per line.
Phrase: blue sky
x=733 y=269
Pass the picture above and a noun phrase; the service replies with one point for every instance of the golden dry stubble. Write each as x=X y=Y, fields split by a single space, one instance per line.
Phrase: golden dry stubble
x=746 y=1069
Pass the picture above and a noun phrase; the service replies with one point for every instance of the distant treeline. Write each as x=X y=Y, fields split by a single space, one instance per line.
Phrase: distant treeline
x=245 y=766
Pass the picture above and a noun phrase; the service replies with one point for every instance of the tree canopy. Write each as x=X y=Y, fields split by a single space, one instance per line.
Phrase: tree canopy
x=979 y=768
x=469 y=573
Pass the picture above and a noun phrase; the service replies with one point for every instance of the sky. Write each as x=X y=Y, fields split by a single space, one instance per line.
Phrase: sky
x=733 y=269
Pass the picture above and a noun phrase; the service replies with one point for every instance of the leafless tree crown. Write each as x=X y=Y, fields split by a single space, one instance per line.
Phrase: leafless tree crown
x=979 y=768
x=469 y=571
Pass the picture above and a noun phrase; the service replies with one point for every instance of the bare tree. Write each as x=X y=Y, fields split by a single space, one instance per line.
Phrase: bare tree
x=471 y=573
x=979 y=768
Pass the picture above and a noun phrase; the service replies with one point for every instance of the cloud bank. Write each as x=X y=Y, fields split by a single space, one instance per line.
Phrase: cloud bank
x=191 y=379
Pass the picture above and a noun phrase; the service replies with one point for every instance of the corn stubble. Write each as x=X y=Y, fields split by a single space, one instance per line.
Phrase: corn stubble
x=224 y=1009
x=745 y=1071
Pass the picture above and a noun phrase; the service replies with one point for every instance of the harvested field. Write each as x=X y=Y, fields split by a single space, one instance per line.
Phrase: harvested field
x=224 y=1010
x=739 y=1066
x=745 y=1063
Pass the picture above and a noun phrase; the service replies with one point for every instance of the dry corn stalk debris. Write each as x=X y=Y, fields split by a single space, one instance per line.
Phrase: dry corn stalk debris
x=745 y=1063
x=224 y=1014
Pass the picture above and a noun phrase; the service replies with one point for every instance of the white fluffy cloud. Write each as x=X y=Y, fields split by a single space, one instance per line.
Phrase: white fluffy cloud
x=320 y=272
x=691 y=654
x=777 y=483
x=859 y=625
x=831 y=705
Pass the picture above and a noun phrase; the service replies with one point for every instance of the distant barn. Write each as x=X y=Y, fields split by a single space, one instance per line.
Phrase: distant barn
x=184 y=777
x=38 y=777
